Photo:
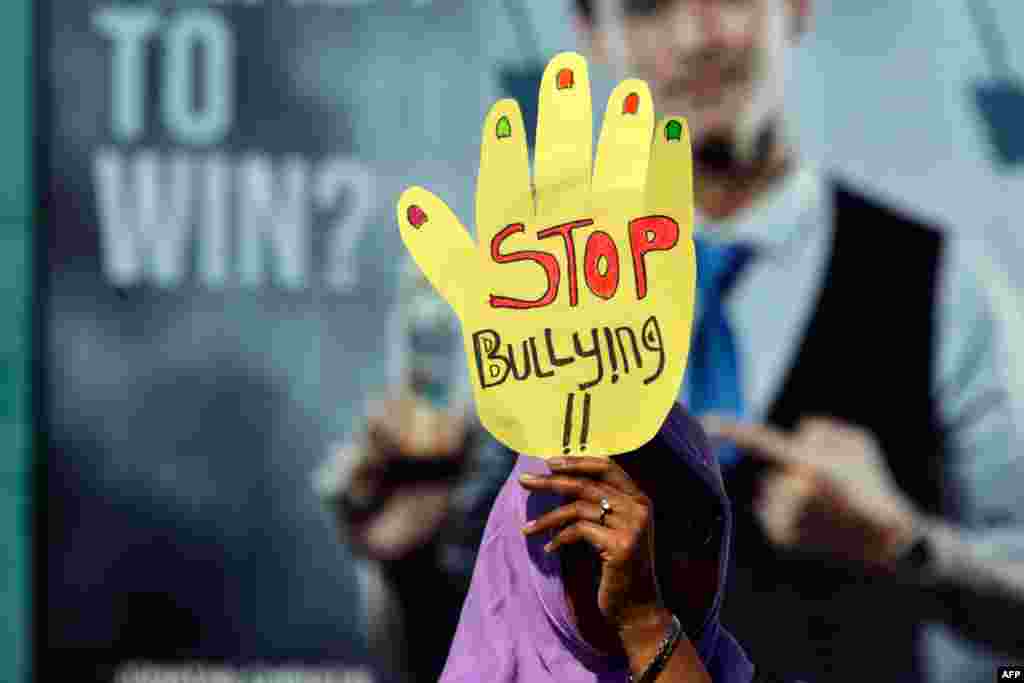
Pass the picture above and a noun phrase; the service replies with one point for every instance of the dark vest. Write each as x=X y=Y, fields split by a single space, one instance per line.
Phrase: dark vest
x=866 y=358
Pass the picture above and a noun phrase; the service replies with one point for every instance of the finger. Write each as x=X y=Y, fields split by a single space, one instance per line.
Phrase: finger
x=439 y=244
x=669 y=195
x=817 y=427
x=624 y=151
x=779 y=506
x=430 y=431
x=794 y=484
x=565 y=143
x=409 y=426
x=669 y=189
x=830 y=433
x=390 y=440
x=759 y=440
x=603 y=469
x=503 y=193
x=568 y=514
x=813 y=421
x=575 y=487
x=600 y=538
x=384 y=425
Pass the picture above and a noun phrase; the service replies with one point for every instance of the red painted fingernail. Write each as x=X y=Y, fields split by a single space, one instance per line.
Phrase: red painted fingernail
x=416 y=216
x=565 y=79
x=631 y=104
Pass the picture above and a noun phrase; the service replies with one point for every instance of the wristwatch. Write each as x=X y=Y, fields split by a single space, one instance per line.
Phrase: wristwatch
x=917 y=561
x=919 y=556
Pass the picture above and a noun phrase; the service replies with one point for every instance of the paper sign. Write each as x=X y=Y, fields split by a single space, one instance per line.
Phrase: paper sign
x=576 y=299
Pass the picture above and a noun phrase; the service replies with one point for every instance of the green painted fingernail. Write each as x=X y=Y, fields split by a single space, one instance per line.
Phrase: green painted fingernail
x=504 y=128
x=673 y=131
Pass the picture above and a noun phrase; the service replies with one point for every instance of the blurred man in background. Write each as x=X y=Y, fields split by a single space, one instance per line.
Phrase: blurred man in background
x=861 y=335
x=847 y=349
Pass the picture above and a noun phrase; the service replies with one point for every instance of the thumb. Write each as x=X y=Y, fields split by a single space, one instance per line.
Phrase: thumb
x=439 y=244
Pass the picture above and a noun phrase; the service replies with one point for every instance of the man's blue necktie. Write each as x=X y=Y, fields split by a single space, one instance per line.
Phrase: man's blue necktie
x=713 y=372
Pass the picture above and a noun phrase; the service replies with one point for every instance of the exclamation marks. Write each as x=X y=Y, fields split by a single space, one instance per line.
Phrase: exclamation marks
x=611 y=354
x=567 y=430
x=585 y=431
x=584 y=428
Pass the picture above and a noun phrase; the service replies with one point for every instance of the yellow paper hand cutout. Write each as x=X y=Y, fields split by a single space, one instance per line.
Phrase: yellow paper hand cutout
x=576 y=301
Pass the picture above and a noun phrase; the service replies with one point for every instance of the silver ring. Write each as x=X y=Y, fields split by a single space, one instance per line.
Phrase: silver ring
x=606 y=507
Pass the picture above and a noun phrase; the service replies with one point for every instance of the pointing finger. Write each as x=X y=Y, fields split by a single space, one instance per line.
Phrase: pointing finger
x=780 y=505
x=759 y=440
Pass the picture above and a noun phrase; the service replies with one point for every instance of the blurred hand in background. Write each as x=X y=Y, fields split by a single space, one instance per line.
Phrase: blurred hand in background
x=830 y=489
x=404 y=465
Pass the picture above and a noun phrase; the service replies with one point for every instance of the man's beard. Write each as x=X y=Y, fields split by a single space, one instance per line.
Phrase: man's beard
x=758 y=130
x=719 y=153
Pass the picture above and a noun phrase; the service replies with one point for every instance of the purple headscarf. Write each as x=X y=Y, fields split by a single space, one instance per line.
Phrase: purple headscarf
x=516 y=626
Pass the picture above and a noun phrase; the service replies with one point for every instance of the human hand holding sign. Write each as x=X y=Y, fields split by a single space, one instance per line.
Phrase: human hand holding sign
x=576 y=301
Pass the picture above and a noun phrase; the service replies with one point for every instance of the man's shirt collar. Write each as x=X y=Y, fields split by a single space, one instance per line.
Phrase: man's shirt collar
x=778 y=220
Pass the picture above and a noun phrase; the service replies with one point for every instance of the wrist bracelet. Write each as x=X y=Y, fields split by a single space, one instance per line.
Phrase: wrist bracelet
x=665 y=650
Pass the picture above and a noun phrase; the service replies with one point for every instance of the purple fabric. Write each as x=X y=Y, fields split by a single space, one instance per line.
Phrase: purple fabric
x=515 y=625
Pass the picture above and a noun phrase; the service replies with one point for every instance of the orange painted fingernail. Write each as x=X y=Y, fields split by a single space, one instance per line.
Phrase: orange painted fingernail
x=416 y=216
x=565 y=79
x=631 y=104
